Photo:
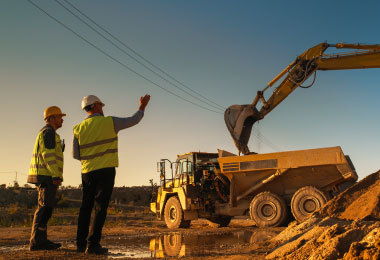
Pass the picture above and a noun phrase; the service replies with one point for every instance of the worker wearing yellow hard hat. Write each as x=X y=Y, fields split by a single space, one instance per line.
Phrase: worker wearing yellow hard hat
x=53 y=111
x=95 y=144
x=46 y=172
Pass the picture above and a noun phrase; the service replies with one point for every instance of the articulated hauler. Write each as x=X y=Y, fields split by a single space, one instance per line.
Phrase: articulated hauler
x=219 y=186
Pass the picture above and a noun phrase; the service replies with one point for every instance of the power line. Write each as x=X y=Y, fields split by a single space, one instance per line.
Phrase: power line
x=137 y=54
x=260 y=137
x=116 y=60
x=265 y=140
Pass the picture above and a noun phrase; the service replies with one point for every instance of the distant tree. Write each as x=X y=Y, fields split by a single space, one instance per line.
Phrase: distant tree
x=27 y=186
x=16 y=185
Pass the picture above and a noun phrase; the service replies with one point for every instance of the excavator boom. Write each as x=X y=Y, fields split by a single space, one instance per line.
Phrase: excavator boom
x=239 y=119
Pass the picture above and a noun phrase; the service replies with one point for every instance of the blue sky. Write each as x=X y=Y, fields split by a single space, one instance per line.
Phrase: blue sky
x=226 y=50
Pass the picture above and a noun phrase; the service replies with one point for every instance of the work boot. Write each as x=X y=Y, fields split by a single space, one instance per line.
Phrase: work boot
x=48 y=245
x=97 y=250
x=81 y=249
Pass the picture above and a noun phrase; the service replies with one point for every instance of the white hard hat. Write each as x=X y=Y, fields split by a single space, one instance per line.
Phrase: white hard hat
x=89 y=100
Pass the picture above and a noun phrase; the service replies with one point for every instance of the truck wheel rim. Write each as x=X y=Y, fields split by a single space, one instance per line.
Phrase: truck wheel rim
x=268 y=210
x=172 y=214
x=309 y=205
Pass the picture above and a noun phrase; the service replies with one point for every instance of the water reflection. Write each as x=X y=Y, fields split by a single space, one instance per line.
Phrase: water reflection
x=172 y=244
x=180 y=245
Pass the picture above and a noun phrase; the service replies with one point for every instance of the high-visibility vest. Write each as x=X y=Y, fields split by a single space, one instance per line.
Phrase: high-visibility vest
x=46 y=162
x=97 y=143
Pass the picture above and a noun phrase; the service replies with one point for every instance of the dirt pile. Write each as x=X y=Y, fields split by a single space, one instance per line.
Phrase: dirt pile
x=347 y=227
x=359 y=202
x=329 y=238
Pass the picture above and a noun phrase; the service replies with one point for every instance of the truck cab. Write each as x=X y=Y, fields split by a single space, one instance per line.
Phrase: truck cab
x=184 y=190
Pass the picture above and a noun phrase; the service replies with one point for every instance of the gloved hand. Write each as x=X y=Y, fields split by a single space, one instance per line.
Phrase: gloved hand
x=144 y=102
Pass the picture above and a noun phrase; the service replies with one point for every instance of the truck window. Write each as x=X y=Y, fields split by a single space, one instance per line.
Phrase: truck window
x=183 y=166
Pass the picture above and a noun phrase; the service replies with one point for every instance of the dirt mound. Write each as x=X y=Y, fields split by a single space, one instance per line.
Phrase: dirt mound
x=329 y=238
x=347 y=227
x=359 y=202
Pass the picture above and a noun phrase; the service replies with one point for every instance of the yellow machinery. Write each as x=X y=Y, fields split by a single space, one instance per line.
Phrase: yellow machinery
x=220 y=186
x=187 y=193
x=240 y=118
x=268 y=183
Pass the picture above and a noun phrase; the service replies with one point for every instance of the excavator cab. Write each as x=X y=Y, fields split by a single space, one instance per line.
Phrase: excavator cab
x=239 y=120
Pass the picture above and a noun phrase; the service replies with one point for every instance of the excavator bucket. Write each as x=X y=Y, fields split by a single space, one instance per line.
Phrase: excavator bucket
x=239 y=120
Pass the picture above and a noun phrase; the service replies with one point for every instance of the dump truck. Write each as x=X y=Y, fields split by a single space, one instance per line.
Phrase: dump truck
x=267 y=187
x=219 y=186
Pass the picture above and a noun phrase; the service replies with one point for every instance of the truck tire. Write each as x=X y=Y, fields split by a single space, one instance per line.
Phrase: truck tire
x=268 y=210
x=173 y=213
x=221 y=221
x=305 y=201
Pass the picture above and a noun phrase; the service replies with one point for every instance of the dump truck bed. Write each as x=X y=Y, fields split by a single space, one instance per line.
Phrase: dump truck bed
x=285 y=172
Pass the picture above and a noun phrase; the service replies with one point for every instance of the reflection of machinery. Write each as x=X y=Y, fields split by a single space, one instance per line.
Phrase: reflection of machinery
x=180 y=245
x=218 y=187
x=240 y=118
x=168 y=245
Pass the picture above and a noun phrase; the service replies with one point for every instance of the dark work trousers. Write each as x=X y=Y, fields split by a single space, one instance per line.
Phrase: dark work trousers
x=46 y=202
x=97 y=189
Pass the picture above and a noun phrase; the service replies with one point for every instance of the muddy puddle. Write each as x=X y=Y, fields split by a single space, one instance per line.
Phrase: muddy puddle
x=174 y=244
x=180 y=245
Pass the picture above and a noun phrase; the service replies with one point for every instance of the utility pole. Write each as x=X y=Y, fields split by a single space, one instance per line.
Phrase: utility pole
x=16 y=185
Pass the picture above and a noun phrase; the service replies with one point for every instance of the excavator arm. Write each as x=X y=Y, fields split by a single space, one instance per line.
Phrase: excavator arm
x=240 y=118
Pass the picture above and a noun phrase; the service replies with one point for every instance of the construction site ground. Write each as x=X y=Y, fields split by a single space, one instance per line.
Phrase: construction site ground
x=347 y=227
x=150 y=240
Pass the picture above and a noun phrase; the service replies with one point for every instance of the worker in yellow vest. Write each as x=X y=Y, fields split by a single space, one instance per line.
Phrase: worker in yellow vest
x=46 y=171
x=95 y=144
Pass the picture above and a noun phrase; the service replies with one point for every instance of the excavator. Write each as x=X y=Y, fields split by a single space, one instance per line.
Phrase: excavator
x=239 y=119
x=220 y=186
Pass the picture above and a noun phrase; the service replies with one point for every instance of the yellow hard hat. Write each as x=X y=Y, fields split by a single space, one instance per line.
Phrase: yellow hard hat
x=89 y=100
x=54 y=110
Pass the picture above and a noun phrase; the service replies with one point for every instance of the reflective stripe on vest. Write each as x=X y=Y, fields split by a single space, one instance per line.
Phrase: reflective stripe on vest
x=97 y=143
x=47 y=162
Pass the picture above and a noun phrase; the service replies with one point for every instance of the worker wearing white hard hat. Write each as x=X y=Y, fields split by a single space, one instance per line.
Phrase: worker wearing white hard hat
x=90 y=100
x=95 y=144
